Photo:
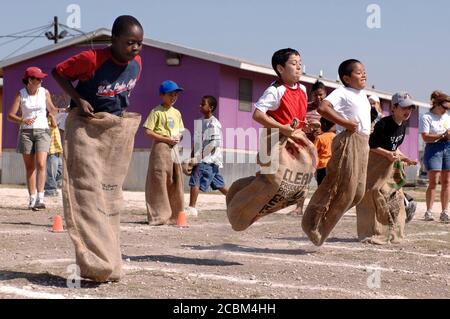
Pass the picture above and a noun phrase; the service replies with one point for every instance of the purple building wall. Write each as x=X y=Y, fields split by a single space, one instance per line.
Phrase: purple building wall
x=198 y=77
x=143 y=98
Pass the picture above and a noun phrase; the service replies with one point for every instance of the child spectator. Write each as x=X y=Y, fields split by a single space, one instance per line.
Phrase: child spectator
x=323 y=144
x=54 y=174
x=209 y=154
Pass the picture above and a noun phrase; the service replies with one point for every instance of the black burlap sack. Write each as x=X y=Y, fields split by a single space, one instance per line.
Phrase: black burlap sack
x=287 y=168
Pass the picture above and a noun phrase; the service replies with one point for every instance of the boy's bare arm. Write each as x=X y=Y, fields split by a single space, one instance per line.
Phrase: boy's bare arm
x=269 y=122
x=160 y=138
x=326 y=110
x=67 y=86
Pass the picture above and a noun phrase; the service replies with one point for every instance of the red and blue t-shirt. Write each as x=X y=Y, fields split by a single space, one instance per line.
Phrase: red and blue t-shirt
x=284 y=103
x=102 y=81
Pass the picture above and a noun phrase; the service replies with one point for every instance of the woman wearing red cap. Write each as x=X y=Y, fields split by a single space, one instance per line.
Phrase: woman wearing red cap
x=34 y=137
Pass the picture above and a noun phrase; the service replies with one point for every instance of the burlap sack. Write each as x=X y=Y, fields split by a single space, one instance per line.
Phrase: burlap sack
x=381 y=214
x=342 y=188
x=253 y=197
x=97 y=153
x=164 y=186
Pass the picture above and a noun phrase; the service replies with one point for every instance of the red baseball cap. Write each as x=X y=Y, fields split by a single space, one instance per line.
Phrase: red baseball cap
x=34 y=72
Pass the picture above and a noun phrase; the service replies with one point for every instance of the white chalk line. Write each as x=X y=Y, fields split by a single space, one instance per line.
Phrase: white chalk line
x=322 y=263
x=132 y=268
x=27 y=293
x=10 y=290
x=242 y=281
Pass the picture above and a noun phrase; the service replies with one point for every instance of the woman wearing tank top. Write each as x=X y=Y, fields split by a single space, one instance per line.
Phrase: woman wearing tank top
x=33 y=101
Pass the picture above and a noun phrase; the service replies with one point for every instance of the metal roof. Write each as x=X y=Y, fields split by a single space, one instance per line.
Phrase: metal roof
x=104 y=35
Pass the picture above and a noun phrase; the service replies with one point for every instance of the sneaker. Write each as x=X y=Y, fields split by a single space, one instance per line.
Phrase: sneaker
x=410 y=211
x=428 y=216
x=191 y=211
x=444 y=218
x=39 y=204
x=31 y=202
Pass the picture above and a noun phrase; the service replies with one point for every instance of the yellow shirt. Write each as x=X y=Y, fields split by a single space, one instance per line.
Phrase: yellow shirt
x=165 y=121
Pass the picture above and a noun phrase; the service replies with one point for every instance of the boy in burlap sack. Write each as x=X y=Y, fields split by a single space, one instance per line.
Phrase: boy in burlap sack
x=164 y=186
x=344 y=184
x=381 y=214
x=99 y=139
x=288 y=162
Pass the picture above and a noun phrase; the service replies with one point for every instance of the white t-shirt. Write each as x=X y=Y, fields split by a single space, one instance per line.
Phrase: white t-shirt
x=273 y=95
x=34 y=106
x=351 y=104
x=207 y=139
x=433 y=123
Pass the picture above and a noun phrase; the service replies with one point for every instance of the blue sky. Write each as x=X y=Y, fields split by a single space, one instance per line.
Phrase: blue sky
x=410 y=51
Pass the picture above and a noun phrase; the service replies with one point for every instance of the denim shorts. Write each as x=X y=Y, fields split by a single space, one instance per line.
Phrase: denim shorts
x=437 y=156
x=205 y=175
x=33 y=140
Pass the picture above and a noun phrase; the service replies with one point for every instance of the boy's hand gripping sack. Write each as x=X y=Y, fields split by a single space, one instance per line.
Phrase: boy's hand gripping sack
x=287 y=167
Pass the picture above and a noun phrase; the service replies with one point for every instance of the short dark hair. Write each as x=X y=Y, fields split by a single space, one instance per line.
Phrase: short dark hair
x=123 y=23
x=325 y=124
x=280 y=57
x=211 y=101
x=317 y=86
x=346 y=69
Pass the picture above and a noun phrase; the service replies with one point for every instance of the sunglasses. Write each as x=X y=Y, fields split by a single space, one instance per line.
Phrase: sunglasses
x=445 y=106
x=35 y=78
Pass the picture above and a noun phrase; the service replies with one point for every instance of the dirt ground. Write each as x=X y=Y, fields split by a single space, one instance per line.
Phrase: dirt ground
x=272 y=259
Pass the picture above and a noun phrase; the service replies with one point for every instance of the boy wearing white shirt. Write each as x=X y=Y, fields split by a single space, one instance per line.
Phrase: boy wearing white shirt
x=344 y=184
x=208 y=152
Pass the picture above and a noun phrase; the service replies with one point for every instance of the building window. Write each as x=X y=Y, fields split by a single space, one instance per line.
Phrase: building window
x=245 y=95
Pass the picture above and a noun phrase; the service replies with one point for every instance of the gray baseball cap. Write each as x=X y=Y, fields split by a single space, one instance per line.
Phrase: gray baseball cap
x=403 y=99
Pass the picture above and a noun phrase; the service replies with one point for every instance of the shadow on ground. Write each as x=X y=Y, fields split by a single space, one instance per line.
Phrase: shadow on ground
x=43 y=279
x=234 y=247
x=181 y=260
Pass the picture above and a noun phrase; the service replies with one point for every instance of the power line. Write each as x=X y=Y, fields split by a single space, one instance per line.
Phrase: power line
x=23 y=46
x=28 y=34
x=28 y=31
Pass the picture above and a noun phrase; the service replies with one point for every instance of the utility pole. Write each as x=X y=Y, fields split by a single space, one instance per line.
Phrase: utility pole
x=55 y=26
x=55 y=35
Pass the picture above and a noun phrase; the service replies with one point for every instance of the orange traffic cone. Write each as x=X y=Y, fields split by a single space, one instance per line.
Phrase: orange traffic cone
x=57 y=224
x=182 y=220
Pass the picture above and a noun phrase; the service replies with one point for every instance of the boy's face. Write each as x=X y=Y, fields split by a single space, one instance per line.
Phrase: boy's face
x=205 y=108
x=357 y=79
x=290 y=73
x=402 y=113
x=169 y=99
x=128 y=45
x=319 y=95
